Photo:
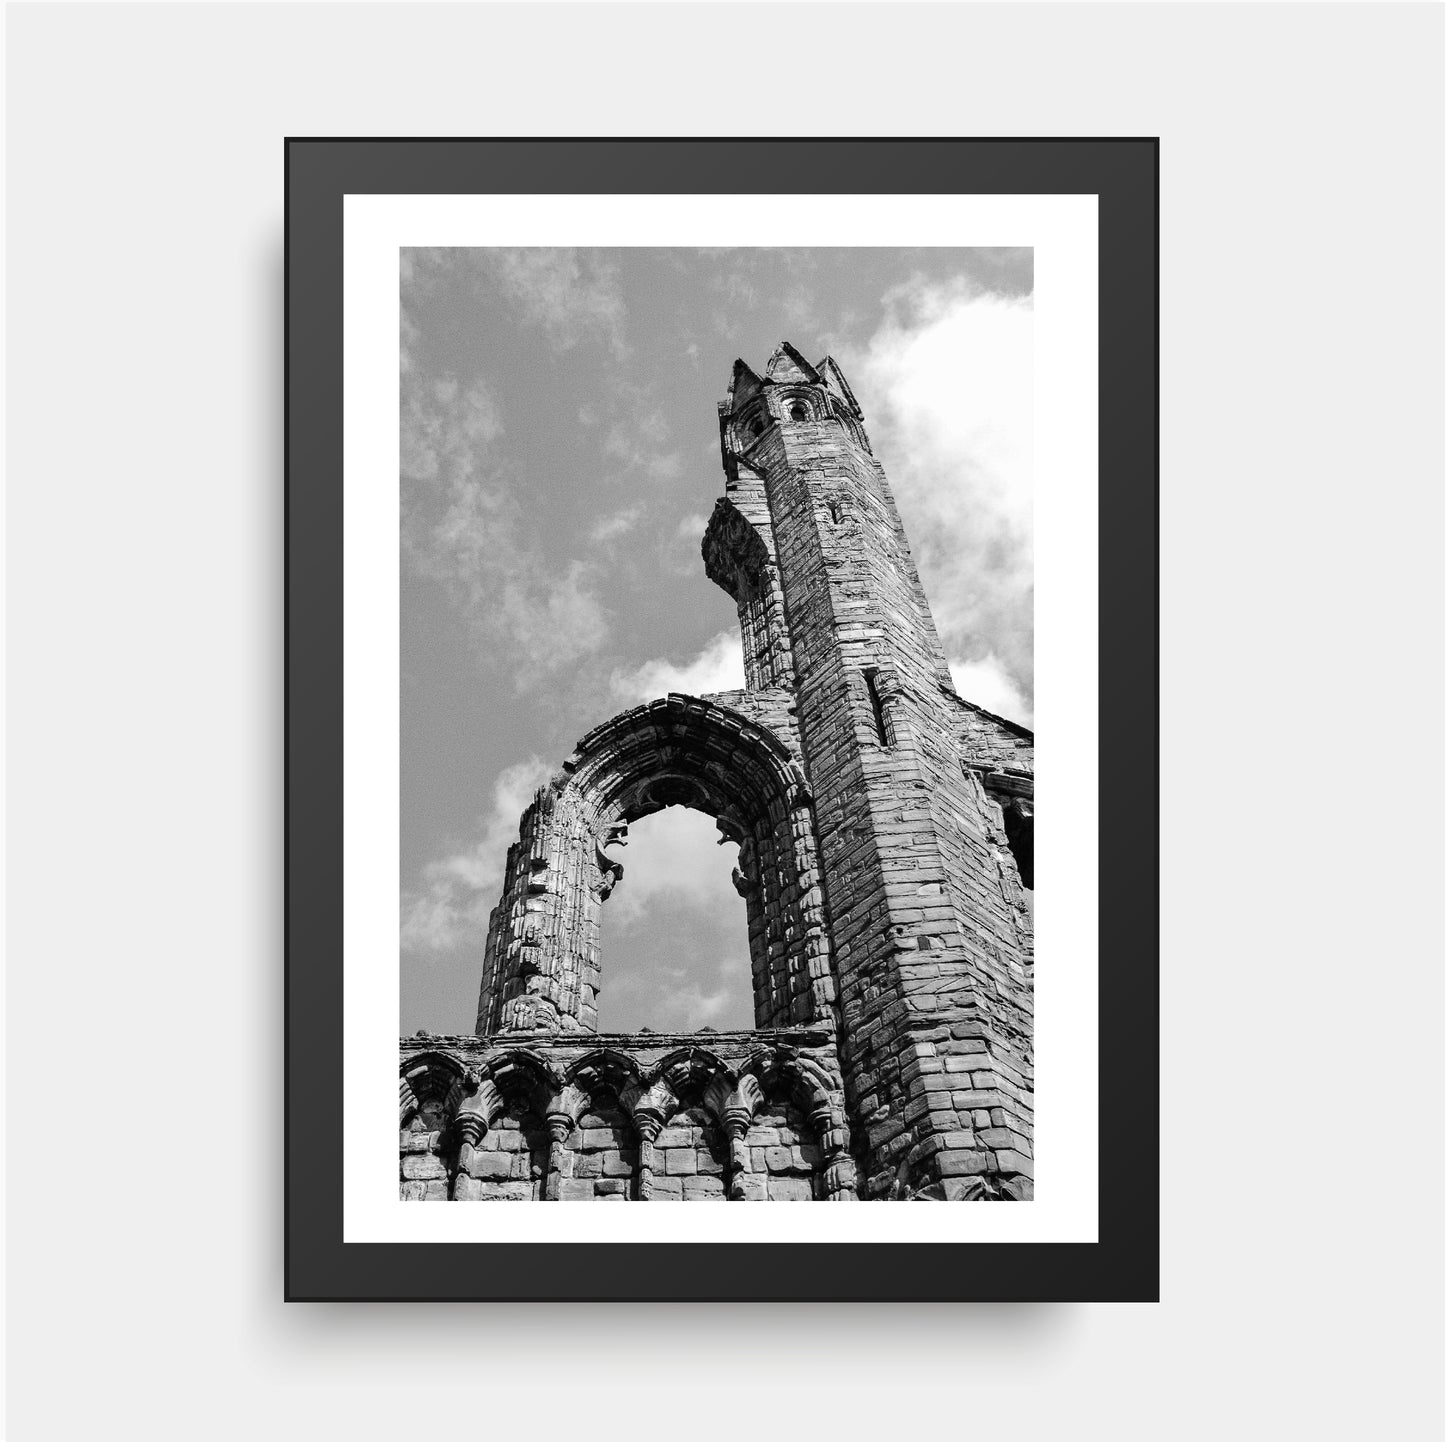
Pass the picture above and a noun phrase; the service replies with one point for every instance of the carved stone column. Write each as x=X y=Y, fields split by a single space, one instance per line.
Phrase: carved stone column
x=839 y=1181
x=735 y=1106
x=649 y=1109
x=474 y=1118
x=471 y=1128
x=562 y=1112
x=559 y=1128
x=736 y=1121
x=648 y=1125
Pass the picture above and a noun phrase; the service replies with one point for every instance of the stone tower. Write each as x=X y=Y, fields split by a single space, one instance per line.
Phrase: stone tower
x=885 y=832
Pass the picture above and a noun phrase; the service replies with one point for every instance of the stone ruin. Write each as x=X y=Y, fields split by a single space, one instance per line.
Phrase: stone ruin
x=885 y=834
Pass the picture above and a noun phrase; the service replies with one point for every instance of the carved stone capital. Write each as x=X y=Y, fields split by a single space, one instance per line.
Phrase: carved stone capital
x=471 y=1128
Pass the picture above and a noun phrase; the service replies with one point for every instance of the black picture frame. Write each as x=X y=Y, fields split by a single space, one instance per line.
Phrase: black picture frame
x=1123 y=1265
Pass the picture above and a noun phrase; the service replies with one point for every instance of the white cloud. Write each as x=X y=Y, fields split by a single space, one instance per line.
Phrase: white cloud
x=617 y=524
x=460 y=890
x=674 y=948
x=986 y=683
x=675 y=951
x=636 y=444
x=717 y=667
x=462 y=527
x=947 y=382
x=675 y=854
x=570 y=294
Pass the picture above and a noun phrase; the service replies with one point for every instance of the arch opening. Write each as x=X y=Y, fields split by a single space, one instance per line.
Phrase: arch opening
x=673 y=950
x=541 y=969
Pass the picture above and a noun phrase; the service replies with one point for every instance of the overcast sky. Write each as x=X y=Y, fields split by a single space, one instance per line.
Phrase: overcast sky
x=559 y=460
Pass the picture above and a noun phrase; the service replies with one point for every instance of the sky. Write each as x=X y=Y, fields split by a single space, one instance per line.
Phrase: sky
x=559 y=461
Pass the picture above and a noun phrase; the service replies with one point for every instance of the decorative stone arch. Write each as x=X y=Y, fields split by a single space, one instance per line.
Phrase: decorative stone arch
x=543 y=969
x=782 y=1073
x=435 y=1086
x=513 y=1081
x=690 y=1071
x=605 y=1067
x=811 y=401
x=751 y=424
x=432 y=1077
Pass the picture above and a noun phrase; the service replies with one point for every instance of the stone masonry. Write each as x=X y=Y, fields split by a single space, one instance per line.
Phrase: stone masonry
x=885 y=833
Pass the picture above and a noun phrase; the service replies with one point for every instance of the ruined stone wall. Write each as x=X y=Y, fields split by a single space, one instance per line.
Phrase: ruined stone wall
x=885 y=833
x=932 y=936
x=747 y=1116
x=736 y=757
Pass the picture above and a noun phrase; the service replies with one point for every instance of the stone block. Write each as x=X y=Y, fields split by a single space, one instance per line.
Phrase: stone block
x=491 y=1166
x=577 y=1189
x=961 y=1164
x=681 y=1162
x=508 y=1192
x=1012 y=1161
x=698 y=1188
x=422 y=1168
x=789 y=1189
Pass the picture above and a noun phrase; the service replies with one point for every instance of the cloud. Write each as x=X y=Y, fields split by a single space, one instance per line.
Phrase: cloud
x=675 y=854
x=717 y=667
x=710 y=992
x=986 y=683
x=637 y=446
x=462 y=528
x=674 y=932
x=572 y=295
x=947 y=381
x=458 y=892
x=675 y=949
x=617 y=524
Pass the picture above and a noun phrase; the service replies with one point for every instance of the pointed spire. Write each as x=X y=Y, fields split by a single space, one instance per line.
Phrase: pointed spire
x=744 y=383
x=787 y=365
x=832 y=377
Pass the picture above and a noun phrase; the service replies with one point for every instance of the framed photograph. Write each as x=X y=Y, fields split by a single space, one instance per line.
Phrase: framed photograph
x=685 y=541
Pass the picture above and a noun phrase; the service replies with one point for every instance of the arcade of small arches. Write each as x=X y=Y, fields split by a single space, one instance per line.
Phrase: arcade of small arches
x=653 y=1129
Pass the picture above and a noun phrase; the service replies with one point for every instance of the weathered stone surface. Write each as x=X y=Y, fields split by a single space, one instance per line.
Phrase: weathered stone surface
x=885 y=845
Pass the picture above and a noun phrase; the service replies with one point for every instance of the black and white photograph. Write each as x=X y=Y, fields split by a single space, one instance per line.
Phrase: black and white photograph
x=716 y=724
